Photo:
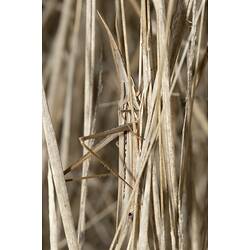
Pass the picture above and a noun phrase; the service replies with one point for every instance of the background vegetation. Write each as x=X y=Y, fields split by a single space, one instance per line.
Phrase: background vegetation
x=136 y=69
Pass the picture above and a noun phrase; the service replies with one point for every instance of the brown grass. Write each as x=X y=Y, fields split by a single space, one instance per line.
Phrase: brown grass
x=129 y=80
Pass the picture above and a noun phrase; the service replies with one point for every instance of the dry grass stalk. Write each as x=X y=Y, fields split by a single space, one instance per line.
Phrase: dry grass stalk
x=58 y=178
x=88 y=104
x=160 y=58
x=70 y=84
x=56 y=64
x=52 y=213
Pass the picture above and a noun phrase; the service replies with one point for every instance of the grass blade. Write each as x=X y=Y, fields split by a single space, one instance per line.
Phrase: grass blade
x=58 y=178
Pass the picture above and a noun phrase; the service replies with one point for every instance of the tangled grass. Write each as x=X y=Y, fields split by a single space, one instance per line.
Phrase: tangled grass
x=125 y=124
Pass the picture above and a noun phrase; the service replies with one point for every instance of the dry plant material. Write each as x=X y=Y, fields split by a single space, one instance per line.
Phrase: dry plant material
x=58 y=178
x=57 y=61
x=70 y=85
x=149 y=87
x=52 y=213
x=88 y=104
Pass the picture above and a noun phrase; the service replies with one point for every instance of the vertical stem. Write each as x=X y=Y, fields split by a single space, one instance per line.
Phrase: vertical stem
x=88 y=105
